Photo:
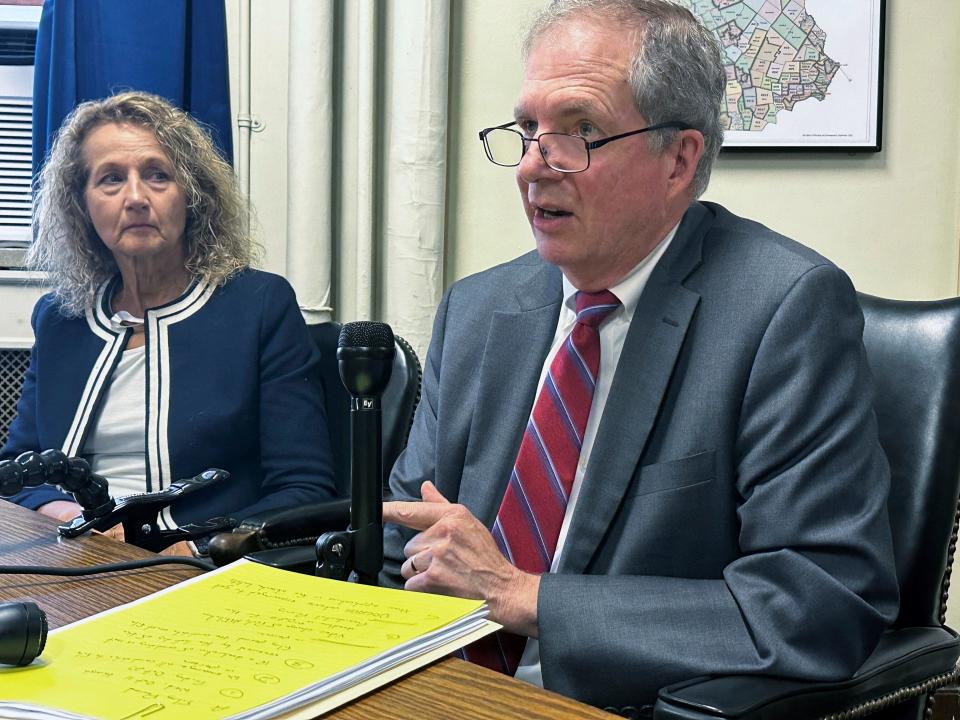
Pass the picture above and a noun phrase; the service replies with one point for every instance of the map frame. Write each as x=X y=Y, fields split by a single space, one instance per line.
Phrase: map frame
x=868 y=113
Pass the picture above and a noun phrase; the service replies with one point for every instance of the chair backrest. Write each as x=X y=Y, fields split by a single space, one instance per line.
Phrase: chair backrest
x=398 y=403
x=914 y=352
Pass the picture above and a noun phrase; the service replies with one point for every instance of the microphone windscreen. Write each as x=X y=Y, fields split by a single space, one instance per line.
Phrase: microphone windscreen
x=23 y=632
x=366 y=334
x=365 y=351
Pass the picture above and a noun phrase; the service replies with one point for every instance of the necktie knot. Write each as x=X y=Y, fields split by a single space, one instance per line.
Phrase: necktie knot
x=593 y=308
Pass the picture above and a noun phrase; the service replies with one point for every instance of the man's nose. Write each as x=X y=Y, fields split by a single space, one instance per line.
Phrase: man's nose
x=533 y=167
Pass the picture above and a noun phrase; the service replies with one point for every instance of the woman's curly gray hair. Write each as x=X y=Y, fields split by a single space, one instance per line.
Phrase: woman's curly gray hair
x=65 y=244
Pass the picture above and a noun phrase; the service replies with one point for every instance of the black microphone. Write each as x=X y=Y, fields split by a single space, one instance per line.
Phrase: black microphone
x=23 y=632
x=365 y=353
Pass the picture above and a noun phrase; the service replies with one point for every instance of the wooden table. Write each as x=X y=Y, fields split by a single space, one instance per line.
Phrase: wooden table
x=448 y=688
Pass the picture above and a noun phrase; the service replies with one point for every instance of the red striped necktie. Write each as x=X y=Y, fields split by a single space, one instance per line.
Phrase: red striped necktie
x=528 y=523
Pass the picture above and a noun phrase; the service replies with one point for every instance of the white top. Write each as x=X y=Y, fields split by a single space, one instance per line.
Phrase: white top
x=613 y=332
x=116 y=443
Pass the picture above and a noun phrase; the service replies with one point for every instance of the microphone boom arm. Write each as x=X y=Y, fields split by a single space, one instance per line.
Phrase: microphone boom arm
x=139 y=514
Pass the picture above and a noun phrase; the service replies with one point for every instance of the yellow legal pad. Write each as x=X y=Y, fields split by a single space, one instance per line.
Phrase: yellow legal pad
x=245 y=641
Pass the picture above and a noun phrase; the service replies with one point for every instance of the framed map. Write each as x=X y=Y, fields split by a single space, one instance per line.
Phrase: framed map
x=801 y=74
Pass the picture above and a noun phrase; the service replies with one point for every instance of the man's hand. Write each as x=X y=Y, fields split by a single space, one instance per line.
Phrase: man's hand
x=454 y=554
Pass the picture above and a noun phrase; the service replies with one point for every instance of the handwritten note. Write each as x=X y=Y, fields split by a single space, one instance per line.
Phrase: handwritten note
x=220 y=644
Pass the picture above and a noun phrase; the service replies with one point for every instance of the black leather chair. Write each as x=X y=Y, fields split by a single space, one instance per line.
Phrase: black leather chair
x=914 y=352
x=285 y=538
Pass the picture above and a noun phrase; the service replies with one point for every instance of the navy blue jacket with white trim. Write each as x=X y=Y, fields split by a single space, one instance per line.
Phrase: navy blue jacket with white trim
x=232 y=382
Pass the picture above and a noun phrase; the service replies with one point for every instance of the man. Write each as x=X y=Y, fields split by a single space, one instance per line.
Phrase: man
x=725 y=507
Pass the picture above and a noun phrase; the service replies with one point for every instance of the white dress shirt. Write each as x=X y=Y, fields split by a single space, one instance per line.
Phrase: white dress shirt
x=613 y=332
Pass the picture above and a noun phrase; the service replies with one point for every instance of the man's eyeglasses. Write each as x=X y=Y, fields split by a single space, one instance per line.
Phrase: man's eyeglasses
x=560 y=151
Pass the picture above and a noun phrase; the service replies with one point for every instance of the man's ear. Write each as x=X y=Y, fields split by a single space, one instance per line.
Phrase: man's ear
x=685 y=152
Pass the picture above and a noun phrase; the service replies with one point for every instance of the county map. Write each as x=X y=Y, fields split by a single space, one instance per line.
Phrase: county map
x=773 y=54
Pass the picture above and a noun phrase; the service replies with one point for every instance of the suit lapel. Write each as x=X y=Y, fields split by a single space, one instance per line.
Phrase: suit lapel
x=516 y=345
x=657 y=331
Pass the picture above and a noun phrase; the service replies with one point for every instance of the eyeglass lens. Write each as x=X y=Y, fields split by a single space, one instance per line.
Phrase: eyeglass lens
x=561 y=152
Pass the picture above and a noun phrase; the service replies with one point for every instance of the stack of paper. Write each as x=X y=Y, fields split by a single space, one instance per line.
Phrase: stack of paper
x=245 y=641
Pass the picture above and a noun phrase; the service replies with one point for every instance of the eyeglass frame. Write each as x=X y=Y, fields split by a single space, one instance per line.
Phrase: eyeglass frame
x=588 y=144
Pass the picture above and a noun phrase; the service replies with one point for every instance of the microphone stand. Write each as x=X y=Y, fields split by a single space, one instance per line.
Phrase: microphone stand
x=359 y=548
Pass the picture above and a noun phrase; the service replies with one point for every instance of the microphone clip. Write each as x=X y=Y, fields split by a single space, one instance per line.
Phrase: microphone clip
x=343 y=553
x=335 y=555
x=140 y=514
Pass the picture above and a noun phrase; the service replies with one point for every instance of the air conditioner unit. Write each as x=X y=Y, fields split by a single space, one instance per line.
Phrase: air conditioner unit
x=18 y=291
x=18 y=38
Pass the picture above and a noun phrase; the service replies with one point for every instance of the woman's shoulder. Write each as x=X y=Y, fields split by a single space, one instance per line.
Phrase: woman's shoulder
x=49 y=310
x=46 y=304
x=258 y=288
x=252 y=280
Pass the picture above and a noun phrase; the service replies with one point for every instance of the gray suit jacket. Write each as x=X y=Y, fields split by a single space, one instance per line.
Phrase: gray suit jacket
x=733 y=514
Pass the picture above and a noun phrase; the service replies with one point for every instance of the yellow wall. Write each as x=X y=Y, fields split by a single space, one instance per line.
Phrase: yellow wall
x=889 y=219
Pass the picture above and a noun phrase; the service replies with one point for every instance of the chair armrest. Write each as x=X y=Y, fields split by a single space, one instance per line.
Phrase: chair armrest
x=281 y=528
x=906 y=662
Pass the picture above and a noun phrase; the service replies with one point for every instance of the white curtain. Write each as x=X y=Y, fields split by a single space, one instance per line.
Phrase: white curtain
x=366 y=156
x=416 y=165
x=310 y=178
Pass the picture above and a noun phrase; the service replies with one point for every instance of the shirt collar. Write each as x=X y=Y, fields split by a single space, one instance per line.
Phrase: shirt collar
x=629 y=289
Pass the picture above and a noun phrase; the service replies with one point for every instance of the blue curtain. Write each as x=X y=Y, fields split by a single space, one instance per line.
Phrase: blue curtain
x=89 y=49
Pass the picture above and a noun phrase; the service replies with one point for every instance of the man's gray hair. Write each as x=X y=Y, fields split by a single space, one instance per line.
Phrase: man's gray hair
x=676 y=72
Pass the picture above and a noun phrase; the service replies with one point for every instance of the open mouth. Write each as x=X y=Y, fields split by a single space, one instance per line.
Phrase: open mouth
x=552 y=212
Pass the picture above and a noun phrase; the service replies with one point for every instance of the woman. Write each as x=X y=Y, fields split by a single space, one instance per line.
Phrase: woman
x=160 y=353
